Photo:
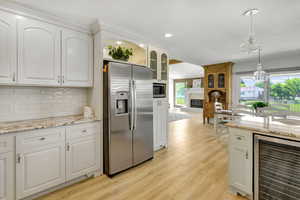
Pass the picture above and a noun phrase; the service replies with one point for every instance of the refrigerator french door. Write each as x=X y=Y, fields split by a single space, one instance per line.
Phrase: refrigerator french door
x=128 y=116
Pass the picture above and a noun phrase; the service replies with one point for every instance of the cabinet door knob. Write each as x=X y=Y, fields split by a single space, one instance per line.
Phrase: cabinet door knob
x=18 y=158
x=239 y=138
x=84 y=131
x=42 y=138
x=68 y=147
x=247 y=155
x=14 y=77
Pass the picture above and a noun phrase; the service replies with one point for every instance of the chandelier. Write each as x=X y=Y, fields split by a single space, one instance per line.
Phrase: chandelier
x=250 y=45
x=260 y=75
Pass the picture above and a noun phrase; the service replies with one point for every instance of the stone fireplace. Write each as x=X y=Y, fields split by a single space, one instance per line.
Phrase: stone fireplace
x=194 y=97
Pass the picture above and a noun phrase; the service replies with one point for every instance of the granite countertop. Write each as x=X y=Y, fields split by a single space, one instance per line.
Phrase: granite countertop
x=27 y=125
x=280 y=127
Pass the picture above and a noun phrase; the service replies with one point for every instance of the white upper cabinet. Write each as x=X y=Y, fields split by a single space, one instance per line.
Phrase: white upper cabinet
x=158 y=61
x=34 y=52
x=153 y=62
x=8 y=49
x=39 y=53
x=164 y=67
x=77 y=59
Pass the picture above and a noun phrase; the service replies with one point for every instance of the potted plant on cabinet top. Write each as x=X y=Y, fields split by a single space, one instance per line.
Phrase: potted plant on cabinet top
x=120 y=53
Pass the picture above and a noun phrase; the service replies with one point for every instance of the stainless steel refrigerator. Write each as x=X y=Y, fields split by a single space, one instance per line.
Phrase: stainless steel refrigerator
x=128 y=116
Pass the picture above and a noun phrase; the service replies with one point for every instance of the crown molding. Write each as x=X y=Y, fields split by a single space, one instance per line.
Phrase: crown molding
x=44 y=16
x=124 y=33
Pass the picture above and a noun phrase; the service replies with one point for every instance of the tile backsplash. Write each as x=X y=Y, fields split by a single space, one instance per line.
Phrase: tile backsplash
x=22 y=103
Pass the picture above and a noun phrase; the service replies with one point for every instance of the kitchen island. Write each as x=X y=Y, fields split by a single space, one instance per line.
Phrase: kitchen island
x=258 y=146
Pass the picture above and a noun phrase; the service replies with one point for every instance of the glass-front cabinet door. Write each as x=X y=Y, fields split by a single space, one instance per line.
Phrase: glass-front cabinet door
x=164 y=67
x=211 y=81
x=221 y=80
x=153 y=64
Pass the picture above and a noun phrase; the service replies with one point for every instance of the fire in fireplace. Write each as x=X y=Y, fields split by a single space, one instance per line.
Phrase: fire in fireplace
x=196 y=103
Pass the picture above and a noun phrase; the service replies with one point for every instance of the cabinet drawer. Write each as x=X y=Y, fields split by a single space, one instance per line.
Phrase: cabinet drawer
x=240 y=137
x=6 y=144
x=82 y=131
x=38 y=138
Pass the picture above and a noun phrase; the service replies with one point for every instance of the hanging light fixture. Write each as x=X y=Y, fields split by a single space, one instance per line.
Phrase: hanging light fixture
x=260 y=75
x=249 y=45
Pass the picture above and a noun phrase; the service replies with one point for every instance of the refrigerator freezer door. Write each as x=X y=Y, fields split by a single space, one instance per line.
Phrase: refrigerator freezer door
x=143 y=126
x=120 y=136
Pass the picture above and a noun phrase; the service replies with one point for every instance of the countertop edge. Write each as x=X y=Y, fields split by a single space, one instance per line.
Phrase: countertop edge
x=265 y=131
x=39 y=127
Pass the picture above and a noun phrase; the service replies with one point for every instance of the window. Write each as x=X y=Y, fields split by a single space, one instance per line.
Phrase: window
x=250 y=90
x=285 y=91
x=180 y=87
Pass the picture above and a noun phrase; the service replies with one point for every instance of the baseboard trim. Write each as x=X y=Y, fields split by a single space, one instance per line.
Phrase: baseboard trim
x=63 y=185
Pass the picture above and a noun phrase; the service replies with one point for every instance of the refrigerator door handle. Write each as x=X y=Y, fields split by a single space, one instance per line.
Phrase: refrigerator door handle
x=135 y=106
x=131 y=110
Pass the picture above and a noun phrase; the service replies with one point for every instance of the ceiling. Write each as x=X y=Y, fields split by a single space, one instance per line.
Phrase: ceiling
x=185 y=70
x=205 y=31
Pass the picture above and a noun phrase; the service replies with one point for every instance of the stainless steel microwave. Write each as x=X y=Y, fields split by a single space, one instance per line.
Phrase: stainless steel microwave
x=159 y=90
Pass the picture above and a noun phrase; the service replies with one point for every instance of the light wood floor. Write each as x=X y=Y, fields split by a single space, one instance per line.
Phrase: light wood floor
x=194 y=167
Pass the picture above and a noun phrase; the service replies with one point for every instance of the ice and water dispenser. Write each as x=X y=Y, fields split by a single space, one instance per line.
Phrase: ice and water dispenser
x=122 y=103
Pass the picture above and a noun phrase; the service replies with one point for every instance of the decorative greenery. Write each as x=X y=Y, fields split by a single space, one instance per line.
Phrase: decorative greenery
x=259 y=104
x=120 y=53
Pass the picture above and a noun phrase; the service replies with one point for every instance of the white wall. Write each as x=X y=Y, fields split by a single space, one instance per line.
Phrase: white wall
x=185 y=70
x=279 y=60
x=22 y=103
x=270 y=62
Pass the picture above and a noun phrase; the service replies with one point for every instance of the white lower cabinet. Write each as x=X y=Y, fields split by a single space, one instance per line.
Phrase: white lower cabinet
x=82 y=150
x=50 y=157
x=240 y=161
x=160 y=123
x=40 y=159
x=7 y=176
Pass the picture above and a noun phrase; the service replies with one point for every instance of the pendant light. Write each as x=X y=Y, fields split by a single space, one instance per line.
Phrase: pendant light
x=260 y=75
x=249 y=45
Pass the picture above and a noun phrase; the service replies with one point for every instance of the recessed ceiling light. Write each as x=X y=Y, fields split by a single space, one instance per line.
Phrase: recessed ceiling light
x=142 y=45
x=19 y=17
x=119 y=42
x=168 y=35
